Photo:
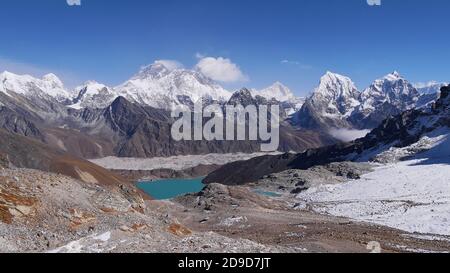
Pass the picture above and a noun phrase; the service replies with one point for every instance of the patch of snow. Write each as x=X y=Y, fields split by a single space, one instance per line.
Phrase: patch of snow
x=423 y=147
x=92 y=244
x=412 y=195
x=395 y=195
x=103 y=237
x=231 y=221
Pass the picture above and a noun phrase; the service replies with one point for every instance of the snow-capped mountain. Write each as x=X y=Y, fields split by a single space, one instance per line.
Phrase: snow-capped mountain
x=338 y=104
x=283 y=94
x=392 y=89
x=277 y=91
x=331 y=103
x=335 y=103
x=336 y=95
x=385 y=97
x=93 y=95
x=49 y=86
x=158 y=86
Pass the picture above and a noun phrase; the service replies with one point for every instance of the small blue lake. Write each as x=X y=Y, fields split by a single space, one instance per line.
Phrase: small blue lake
x=170 y=188
x=267 y=193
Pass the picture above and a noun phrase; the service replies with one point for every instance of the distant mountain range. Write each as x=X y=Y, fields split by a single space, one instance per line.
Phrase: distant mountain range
x=155 y=85
x=133 y=119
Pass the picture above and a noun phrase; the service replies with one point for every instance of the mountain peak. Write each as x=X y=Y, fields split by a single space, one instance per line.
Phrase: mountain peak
x=48 y=85
x=329 y=73
x=53 y=79
x=336 y=85
x=392 y=89
x=277 y=91
x=394 y=76
x=90 y=82
x=6 y=73
x=334 y=78
x=158 y=69
x=278 y=84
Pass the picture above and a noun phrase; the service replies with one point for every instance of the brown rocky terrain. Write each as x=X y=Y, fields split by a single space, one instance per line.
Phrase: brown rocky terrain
x=24 y=152
x=44 y=212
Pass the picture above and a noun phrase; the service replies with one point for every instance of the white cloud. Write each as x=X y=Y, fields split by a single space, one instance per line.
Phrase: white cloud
x=74 y=2
x=297 y=63
x=220 y=69
x=199 y=55
x=289 y=62
x=348 y=135
x=170 y=64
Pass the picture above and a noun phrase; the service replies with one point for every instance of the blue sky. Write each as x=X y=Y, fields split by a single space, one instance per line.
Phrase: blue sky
x=108 y=40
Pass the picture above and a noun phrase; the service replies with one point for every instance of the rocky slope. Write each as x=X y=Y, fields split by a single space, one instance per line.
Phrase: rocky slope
x=145 y=132
x=24 y=152
x=42 y=212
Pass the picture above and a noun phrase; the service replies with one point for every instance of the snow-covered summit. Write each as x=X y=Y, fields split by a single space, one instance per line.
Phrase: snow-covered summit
x=336 y=94
x=280 y=92
x=277 y=91
x=336 y=84
x=393 y=89
x=93 y=95
x=155 y=71
x=26 y=85
x=162 y=86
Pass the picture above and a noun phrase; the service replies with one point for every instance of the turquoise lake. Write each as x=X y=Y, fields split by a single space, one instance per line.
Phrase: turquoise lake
x=170 y=188
x=267 y=193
